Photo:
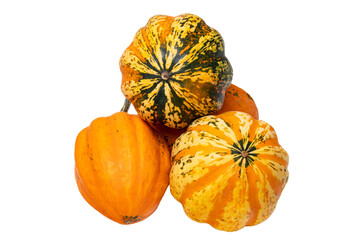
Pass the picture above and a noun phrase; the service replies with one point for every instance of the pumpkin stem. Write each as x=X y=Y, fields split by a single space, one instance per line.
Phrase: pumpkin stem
x=165 y=75
x=126 y=106
x=244 y=154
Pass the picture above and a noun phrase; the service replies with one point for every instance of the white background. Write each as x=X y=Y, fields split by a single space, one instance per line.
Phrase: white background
x=300 y=61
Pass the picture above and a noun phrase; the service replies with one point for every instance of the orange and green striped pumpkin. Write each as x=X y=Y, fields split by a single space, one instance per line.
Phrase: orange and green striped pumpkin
x=175 y=70
x=228 y=170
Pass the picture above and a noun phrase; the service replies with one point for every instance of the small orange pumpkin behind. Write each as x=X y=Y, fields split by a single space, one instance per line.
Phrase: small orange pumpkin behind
x=236 y=99
x=122 y=167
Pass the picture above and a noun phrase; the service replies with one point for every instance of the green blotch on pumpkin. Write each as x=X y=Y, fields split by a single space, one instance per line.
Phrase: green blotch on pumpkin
x=131 y=219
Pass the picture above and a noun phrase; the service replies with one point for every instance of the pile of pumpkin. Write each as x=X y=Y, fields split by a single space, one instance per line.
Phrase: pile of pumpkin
x=227 y=169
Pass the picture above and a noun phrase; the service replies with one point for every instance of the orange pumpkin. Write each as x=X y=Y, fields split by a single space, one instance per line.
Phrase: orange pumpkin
x=228 y=170
x=236 y=99
x=122 y=167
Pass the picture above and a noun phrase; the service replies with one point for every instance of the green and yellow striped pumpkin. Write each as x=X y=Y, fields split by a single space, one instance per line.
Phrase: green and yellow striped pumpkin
x=228 y=170
x=175 y=70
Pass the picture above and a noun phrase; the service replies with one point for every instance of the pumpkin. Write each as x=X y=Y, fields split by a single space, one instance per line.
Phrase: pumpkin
x=169 y=134
x=122 y=167
x=175 y=70
x=236 y=99
x=228 y=170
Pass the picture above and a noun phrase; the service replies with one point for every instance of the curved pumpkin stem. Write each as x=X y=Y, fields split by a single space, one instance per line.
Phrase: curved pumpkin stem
x=126 y=106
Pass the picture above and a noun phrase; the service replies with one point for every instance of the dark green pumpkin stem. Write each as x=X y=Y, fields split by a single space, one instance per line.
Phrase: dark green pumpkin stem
x=126 y=106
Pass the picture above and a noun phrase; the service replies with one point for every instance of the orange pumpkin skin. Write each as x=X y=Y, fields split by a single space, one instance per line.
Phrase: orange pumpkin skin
x=228 y=170
x=236 y=99
x=122 y=167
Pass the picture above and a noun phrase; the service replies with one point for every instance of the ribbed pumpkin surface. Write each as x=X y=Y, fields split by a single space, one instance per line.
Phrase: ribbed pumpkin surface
x=228 y=170
x=122 y=167
x=236 y=99
x=175 y=70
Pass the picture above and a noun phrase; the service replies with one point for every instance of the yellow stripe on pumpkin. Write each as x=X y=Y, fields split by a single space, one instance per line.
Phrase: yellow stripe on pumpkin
x=222 y=198
x=170 y=107
x=204 y=139
x=199 y=196
x=136 y=64
x=180 y=29
x=215 y=126
x=135 y=88
x=198 y=75
x=211 y=42
x=152 y=34
x=147 y=105
x=275 y=153
x=268 y=190
x=236 y=211
x=192 y=168
x=142 y=44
